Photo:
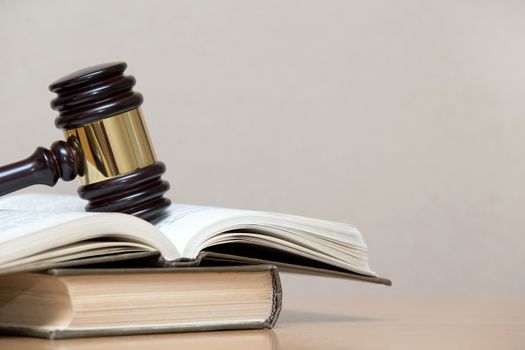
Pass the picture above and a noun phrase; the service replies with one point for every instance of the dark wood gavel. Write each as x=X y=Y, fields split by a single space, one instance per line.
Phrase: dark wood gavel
x=107 y=146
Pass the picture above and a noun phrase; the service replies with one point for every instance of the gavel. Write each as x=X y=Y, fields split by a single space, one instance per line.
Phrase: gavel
x=107 y=146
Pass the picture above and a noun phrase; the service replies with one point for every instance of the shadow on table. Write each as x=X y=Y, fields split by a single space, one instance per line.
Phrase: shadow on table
x=263 y=339
x=297 y=316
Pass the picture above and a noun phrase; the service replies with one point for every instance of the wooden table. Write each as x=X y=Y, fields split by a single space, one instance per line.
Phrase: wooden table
x=342 y=324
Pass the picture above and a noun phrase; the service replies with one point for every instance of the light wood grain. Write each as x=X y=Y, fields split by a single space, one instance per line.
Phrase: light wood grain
x=343 y=324
x=402 y=324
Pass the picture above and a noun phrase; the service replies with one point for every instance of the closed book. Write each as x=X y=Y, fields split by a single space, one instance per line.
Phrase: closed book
x=66 y=303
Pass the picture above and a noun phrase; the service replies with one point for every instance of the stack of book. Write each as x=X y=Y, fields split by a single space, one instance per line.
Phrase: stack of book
x=68 y=273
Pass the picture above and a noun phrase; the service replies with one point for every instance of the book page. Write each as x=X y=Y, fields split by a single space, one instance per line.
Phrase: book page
x=182 y=224
x=184 y=233
x=51 y=203
x=15 y=223
x=33 y=225
x=186 y=223
x=17 y=228
x=194 y=229
x=24 y=213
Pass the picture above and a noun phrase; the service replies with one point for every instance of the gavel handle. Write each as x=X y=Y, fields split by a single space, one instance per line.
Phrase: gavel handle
x=44 y=166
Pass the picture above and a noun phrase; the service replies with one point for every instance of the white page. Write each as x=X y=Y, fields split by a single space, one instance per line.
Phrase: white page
x=192 y=231
x=26 y=233
x=51 y=203
x=187 y=224
x=188 y=227
x=24 y=213
x=15 y=223
x=87 y=248
x=18 y=230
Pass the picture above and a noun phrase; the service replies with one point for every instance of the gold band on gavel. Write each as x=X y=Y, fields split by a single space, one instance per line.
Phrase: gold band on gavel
x=113 y=146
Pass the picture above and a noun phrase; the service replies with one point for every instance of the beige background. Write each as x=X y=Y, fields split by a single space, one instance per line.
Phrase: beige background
x=405 y=118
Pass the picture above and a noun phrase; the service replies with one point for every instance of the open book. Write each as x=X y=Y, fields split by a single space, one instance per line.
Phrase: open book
x=38 y=232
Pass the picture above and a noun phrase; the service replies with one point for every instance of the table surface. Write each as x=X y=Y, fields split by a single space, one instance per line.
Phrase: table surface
x=342 y=324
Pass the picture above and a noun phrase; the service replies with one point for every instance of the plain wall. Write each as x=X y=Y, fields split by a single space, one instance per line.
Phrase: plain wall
x=405 y=118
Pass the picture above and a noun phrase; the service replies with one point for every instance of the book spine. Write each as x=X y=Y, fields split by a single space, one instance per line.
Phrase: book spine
x=277 y=298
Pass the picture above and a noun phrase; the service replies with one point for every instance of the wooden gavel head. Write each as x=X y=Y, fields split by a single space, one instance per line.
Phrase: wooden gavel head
x=107 y=146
